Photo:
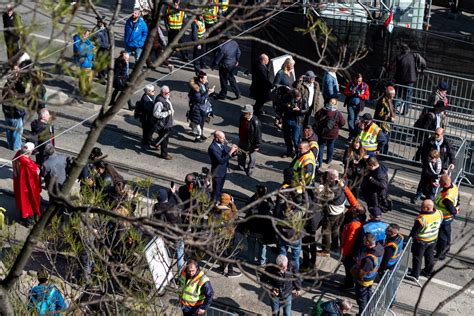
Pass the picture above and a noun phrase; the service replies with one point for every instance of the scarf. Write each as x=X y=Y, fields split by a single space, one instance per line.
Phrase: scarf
x=438 y=144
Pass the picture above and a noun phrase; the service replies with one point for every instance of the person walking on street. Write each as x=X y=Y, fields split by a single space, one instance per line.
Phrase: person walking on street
x=385 y=114
x=250 y=139
x=393 y=248
x=309 y=88
x=293 y=116
x=144 y=112
x=196 y=293
x=220 y=154
x=198 y=32
x=439 y=94
x=12 y=93
x=175 y=19
x=122 y=68
x=283 y=286
x=328 y=122
x=200 y=108
x=26 y=184
x=54 y=167
x=159 y=43
x=210 y=15
x=446 y=201
x=136 y=32
x=371 y=138
x=425 y=231
x=45 y=298
x=227 y=59
x=163 y=112
x=42 y=133
x=365 y=271
x=375 y=185
x=330 y=86
x=406 y=67
x=261 y=84
x=84 y=53
x=101 y=36
x=357 y=93
x=12 y=30
x=430 y=174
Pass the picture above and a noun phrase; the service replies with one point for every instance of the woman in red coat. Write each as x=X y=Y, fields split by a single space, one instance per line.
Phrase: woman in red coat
x=26 y=184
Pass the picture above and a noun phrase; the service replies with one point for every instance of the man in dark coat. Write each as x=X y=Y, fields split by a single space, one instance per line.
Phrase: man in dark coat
x=227 y=59
x=261 y=84
x=220 y=154
x=375 y=185
x=405 y=67
x=11 y=33
x=144 y=112
x=163 y=113
x=54 y=166
x=42 y=133
x=250 y=138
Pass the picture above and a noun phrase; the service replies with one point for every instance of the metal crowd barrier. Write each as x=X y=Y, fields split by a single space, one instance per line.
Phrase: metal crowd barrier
x=386 y=290
x=404 y=141
x=214 y=311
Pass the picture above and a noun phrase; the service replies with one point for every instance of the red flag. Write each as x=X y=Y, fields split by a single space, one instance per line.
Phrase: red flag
x=388 y=24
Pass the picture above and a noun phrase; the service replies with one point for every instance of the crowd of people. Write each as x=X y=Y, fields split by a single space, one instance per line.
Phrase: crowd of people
x=313 y=198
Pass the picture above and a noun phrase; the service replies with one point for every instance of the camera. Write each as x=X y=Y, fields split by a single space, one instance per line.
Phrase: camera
x=203 y=179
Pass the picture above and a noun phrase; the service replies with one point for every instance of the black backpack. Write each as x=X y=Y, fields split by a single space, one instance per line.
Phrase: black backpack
x=326 y=124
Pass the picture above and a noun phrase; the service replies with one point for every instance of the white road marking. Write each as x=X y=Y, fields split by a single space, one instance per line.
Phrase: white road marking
x=48 y=38
x=449 y=285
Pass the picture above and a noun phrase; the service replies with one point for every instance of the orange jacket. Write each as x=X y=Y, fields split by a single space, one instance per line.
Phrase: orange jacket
x=350 y=233
x=350 y=197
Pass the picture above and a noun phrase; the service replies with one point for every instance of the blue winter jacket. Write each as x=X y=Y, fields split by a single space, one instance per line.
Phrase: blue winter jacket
x=135 y=33
x=330 y=86
x=83 y=52
x=45 y=299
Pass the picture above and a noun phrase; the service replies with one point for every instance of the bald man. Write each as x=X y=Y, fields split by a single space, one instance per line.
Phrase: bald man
x=220 y=154
x=446 y=201
x=261 y=84
x=424 y=233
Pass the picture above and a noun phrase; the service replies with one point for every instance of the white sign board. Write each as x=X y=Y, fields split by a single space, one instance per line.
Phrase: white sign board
x=159 y=262
x=275 y=65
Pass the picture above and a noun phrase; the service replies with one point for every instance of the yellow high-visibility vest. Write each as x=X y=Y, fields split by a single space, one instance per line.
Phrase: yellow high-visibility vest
x=368 y=139
x=175 y=19
x=431 y=224
x=452 y=195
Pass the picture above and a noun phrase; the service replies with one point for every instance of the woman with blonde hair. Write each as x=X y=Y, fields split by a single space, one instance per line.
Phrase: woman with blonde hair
x=354 y=165
x=284 y=77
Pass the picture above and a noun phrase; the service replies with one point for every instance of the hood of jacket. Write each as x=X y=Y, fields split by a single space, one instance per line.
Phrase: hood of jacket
x=194 y=85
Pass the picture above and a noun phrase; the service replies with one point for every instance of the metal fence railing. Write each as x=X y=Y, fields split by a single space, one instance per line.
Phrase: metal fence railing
x=214 y=311
x=386 y=290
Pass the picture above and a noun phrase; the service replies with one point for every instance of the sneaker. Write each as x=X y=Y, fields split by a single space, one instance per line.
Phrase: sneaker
x=170 y=68
x=323 y=253
x=425 y=274
x=411 y=276
x=233 y=274
x=203 y=137
x=167 y=157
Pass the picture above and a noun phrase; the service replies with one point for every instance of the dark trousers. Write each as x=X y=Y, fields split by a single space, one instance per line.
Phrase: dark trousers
x=330 y=232
x=259 y=103
x=348 y=263
x=198 y=60
x=113 y=99
x=291 y=135
x=218 y=186
x=363 y=294
x=419 y=250
x=163 y=139
x=309 y=250
x=322 y=145
x=154 y=54
x=147 y=133
x=226 y=78
x=12 y=46
x=444 y=239
x=171 y=35
x=102 y=59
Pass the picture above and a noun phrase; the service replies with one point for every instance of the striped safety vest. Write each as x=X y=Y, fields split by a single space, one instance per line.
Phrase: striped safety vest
x=452 y=195
x=210 y=14
x=191 y=289
x=368 y=139
x=224 y=4
x=201 y=28
x=300 y=176
x=398 y=245
x=369 y=277
x=431 y=223
x=175 y=18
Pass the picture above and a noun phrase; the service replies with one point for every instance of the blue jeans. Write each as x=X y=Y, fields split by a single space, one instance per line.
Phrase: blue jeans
x=352 y=116
x=322 y=144
x=261 y=250
x=405 y=94
x=277 y=302
x=385 y=147
x=295 y=251
x=14 y=132
x=292 y=135
x=180 y=254
x=135 y=51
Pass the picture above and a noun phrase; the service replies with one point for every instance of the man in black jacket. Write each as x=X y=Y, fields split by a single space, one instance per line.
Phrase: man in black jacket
x=261 y=84
x=250 y=138
x=293 y=117
x=284 y=288
x=227 y=59
x=12 y=94
x=375 y=185
x=12 y=30
x=220 y=154
x=144 y=112
x=42 y=133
